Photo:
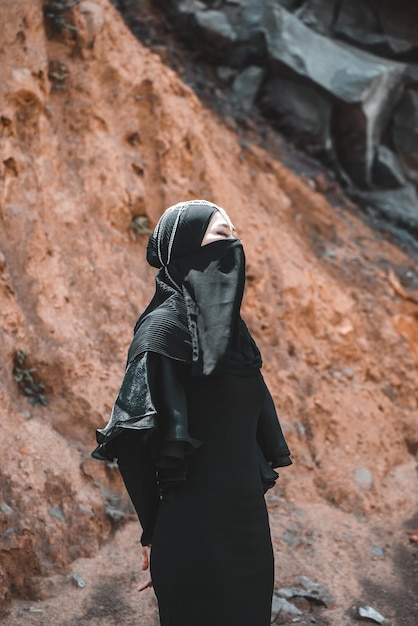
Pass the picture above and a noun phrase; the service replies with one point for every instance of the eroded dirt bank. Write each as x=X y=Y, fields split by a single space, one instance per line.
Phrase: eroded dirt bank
x=96 y=132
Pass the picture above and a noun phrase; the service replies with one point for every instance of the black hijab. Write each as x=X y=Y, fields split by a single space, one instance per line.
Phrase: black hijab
x=194 y=316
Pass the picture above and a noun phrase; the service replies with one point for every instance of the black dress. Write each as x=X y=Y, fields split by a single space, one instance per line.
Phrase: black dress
x=211 y=556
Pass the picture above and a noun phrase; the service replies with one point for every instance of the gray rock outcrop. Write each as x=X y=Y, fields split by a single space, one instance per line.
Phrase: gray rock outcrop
x=339 y=77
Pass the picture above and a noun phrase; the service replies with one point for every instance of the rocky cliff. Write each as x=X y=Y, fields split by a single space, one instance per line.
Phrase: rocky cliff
x=337 y=76
x=97 y=138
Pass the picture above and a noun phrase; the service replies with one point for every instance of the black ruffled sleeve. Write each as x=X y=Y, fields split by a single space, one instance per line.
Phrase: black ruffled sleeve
x=272 y=447
x=151 y=398
x=134 y=407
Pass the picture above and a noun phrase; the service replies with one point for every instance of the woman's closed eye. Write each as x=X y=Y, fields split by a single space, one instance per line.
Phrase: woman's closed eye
x=219 y=228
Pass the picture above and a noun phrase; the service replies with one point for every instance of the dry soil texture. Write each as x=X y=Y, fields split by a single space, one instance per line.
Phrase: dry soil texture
x=95 y=133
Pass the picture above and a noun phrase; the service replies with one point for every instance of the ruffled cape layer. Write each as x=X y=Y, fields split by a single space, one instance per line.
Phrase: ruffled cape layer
x=152 y=400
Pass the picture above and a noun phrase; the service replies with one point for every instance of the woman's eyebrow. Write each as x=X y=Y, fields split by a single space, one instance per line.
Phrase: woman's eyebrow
x=225 y=224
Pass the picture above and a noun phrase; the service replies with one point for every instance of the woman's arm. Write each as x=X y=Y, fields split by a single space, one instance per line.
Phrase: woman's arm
x=174 y=443
x=145 y=565
x=138 y=472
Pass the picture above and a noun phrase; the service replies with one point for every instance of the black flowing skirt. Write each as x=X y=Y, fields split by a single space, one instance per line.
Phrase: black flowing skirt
x=211 y=556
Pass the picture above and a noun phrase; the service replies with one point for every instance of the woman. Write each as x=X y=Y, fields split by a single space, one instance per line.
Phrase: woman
x=195 y=431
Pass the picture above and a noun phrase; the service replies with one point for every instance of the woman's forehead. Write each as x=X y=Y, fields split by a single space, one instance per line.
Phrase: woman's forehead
x=221 y=218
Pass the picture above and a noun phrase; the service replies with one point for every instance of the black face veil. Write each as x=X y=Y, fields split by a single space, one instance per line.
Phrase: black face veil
x=194 y=316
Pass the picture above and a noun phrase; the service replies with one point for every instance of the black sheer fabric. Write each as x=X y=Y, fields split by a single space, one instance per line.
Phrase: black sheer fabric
x=134 y=407
x=213 y=286
x=152 y=400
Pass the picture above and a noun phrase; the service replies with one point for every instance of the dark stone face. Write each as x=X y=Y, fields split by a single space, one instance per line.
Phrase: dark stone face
x=405 y=127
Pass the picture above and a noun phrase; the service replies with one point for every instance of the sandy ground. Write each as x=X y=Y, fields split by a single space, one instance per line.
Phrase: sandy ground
x=360 y=560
